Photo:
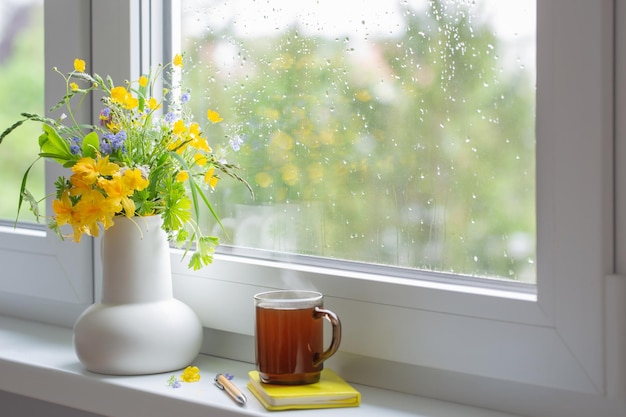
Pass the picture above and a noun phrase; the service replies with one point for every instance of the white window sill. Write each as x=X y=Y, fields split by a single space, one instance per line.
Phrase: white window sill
x=38 y=361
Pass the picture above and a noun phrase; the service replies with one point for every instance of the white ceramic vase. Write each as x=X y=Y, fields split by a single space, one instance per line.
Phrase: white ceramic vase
x=138 y=327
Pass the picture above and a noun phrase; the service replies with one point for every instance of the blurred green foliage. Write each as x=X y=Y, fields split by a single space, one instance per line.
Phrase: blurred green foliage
x=420 y=156
x=416 y=152
x=22 y=87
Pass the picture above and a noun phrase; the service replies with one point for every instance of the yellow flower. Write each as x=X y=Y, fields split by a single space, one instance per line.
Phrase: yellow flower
x=86 y=171
x=63 y=209
x=190 y=374
x=134 y=180
x=124 y=97
x=108 y=213
x=200 y=142
x=143 y=81
x=108 y=208
x=182 y=176
x=104 y=167
x=94 y=208
x=179 y=128
x=118 y=94
x=213 y=116
x=194 y=130
x=178 y=60
x=176 y=145
x=210 y=177
x=113 y=127
x=131 y=102
x=81 y=184
x=74 y=86
x=79 y=65
x=118 y=194
x=197 y=141
x=153 y=104
x=200 y=159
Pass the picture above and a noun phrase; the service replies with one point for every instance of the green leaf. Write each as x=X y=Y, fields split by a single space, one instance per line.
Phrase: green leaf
x=34 y=204
x=61 y=159
x=91 y=144
x=54 y=146
x=23 y=189
x=204 y=252
x=177 y=213
x=54 y=227
x=61 y=185
x=207 y=245
x=196 y=190
x=192 y=184
x=195 y=262
x=177 y=205
x=181 y=238
x=209 y=206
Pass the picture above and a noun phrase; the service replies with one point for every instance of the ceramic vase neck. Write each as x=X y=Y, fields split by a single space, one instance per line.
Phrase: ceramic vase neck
x=136 y=261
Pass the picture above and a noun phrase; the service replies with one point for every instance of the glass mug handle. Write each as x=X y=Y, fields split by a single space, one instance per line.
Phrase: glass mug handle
x=336 y=340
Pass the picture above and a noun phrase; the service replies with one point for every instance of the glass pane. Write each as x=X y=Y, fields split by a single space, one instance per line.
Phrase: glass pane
x=397 y=132
x=22 y=84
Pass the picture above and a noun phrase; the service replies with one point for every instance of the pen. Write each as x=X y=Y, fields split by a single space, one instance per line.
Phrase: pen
x=223 y=382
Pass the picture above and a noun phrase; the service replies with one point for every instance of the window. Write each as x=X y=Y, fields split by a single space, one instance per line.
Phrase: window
x=522 y=340
x=400 y=133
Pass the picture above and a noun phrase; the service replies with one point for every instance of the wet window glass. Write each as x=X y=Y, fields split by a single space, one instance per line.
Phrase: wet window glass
x=398 y=133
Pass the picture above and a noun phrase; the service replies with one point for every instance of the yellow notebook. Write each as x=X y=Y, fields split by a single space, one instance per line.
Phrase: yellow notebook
x=330 y=392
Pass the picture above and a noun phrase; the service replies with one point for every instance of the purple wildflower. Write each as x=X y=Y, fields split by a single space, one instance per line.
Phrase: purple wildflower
x=173 y=382
x=117 y=142
x=170 y=117
x=105 y=147
x=236 y=143
x=185 y=97
x=112 y=143
x=75 y=145
x=105 y=116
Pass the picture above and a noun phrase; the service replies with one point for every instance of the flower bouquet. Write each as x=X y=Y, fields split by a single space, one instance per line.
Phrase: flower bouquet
x=145 y=156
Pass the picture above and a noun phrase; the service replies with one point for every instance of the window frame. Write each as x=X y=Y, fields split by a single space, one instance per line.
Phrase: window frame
x=564 y=338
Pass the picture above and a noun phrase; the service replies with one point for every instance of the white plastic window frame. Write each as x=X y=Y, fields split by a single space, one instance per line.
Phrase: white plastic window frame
x=564 y=337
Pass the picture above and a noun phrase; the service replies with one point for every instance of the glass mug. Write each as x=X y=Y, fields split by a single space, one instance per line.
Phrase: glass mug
x=289 y=336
